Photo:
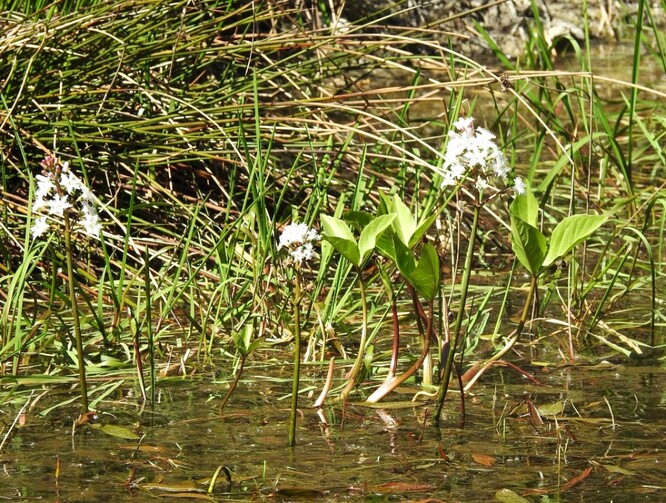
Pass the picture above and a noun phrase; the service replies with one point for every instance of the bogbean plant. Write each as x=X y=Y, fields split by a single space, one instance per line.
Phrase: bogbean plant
x=64 y=205
x=298 y=240
x=475 y=167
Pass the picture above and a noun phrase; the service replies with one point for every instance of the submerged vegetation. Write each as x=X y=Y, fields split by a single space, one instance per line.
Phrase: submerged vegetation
x=213 y=135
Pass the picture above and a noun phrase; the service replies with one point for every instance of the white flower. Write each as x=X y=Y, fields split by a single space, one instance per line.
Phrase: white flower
x=44 y=186
x=56 y=198
x=519 y=185
x=39 y=203
x=298 y=238
x=88 y=209
x=473 y=152
x=58 y=205
x=297 y=234
x=481 y=184
x=303 y=253
x=69 y=181
x=91 y=224
x=86 y=195
x=39 y=227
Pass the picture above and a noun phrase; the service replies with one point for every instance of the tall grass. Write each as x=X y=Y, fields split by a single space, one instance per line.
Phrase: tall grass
x=204 y=127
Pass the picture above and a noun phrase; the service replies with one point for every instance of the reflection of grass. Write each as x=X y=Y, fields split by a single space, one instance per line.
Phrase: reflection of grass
x=202 y=136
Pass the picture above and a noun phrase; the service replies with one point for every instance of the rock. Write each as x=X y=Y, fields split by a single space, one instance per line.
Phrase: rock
x=508 y=23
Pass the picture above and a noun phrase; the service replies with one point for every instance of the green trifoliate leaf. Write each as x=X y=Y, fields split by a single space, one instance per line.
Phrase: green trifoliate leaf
x=569 y=232
x=526 y=207
x=404 y=258
x=404 y=225
x=529 y=245
x=337 y=232
x=425 y=278
x=369 y=235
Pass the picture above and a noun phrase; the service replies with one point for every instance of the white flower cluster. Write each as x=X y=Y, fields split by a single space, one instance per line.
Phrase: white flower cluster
x=298 y=238
x=57 y=191
x=472 y=152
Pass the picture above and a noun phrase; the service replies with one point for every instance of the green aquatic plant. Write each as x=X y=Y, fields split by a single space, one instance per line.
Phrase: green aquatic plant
x=245 y=344
x=421 y=274
x=472 y=159
x=358 y=253
x=59 y=191
x=536 y=253
x=299 y=240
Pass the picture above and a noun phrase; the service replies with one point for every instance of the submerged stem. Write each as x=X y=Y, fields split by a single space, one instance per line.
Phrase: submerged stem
x=453 y=343
x=234 y=383
x=516 y=335
x=361 y=350
x=297 y=359
x=75 y=314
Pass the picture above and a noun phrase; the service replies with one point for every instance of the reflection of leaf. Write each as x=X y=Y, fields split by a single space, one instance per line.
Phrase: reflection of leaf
x=508 y=496
x=402 y=487
x=484 y=459
x=302 y=492
x=176 y=487
x=617 y=469
x=116 y=431
x=193 y=496
x=551 y=409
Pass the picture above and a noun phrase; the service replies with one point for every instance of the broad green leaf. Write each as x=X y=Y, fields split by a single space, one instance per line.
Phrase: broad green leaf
x=529 y=245
x=336 y=228
x=369 y=235
x=569 y=232
x=117 y=431
x=404 y=225
x=385 y=203
x=385 y=244
x=422 y=229
x=425 y=278
x=526 y=207
x=404 y=258
x=337 y=232
x=348 y=249
x=358 y=219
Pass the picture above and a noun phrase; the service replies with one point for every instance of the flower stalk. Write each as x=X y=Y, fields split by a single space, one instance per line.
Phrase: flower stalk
x=298 y=239
x=455 y=333
x=297 y=359
x=75 y=314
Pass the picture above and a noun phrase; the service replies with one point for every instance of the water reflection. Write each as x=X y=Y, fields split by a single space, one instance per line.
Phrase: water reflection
x=606 y=441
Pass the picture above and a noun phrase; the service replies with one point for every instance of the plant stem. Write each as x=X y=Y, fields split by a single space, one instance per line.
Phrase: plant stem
x=233 y=385
x=297 y=359
x=392 y=382
x=361 y=349
x=75 y=314
x=149 y=327
x=453 y=343
x=516 y=335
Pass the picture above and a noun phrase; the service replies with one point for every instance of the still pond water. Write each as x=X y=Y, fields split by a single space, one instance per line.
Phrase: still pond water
x=607 y=444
